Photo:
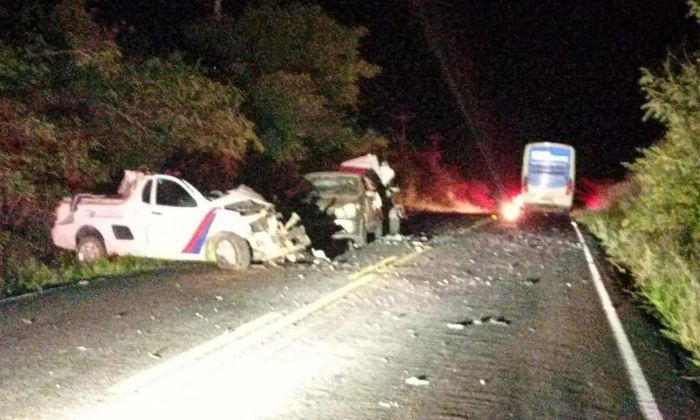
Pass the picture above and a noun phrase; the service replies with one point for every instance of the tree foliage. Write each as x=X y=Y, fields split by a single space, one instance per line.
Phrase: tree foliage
x=294 y=118
x=303 y=39
x=669 y=172
x=653 y=228
x=301 y=70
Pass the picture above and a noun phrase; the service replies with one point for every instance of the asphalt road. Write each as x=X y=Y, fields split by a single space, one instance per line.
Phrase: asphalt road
x=461 y=319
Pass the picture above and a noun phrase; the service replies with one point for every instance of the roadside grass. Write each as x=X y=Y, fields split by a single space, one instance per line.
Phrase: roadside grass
x=31 y=275
x=665 y=274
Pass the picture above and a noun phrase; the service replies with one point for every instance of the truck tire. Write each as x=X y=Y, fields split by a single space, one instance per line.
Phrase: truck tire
x=90 y=248
x=231 y=252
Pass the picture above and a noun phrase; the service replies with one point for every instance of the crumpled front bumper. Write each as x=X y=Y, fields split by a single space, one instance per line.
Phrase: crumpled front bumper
x=273 y=239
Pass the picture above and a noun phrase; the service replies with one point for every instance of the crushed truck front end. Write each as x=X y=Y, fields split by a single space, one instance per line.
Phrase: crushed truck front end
x=269 y=238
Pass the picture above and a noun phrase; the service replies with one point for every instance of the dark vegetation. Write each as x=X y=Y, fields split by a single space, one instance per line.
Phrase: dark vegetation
x=652 y=226
x=220 y=94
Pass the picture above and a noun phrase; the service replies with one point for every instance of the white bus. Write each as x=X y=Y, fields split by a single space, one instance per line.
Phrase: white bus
x=548 y=176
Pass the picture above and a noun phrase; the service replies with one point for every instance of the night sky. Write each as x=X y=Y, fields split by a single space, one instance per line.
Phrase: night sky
x=529 y=71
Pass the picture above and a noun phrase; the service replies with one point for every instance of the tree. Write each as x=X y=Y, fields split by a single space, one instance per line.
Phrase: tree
x=653 y=227
x=295 y=118
x=301 y=71
x=303 y=39
x=74 y=114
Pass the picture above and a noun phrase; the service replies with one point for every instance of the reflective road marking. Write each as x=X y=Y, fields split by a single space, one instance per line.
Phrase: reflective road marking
x=646 y=401
x=476 y=225
x=251 y=332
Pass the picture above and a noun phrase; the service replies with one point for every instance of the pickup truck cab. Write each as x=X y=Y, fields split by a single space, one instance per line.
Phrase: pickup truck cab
x=161 y=216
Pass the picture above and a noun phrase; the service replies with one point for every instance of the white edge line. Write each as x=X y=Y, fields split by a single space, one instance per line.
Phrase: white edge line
x=645 y=398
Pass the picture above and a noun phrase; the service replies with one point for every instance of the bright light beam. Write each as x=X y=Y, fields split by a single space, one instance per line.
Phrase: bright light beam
x=510 y=211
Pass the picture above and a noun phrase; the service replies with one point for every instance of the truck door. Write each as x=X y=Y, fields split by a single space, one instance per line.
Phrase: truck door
x=174 y=218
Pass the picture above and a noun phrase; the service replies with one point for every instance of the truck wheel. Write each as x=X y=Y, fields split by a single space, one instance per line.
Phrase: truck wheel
x=90 y=248
x=231 y=252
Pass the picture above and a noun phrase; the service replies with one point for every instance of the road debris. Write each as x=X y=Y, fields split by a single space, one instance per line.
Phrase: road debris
x=319 y=254
x=530 y=281
x=479 y=321
x=420 y=380
x=158 y=354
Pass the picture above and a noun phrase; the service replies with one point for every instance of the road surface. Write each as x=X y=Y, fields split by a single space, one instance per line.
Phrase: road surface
x=463 y=318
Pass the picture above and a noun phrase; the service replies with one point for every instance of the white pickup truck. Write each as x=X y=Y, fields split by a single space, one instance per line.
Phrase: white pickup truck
x=161 y=216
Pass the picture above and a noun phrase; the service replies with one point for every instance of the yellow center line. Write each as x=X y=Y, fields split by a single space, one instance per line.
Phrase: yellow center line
x=476 y=225
x=373 y=267
x=252 y=332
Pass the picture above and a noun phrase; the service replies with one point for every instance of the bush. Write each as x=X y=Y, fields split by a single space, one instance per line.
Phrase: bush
x=656 y=250
x=653 y=226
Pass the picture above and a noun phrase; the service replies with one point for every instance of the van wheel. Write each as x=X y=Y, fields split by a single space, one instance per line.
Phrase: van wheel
x=231 y=252
x=90 y=248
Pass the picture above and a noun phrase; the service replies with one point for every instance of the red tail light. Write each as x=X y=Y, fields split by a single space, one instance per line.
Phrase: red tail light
x=569 y=186
x=524 y=188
